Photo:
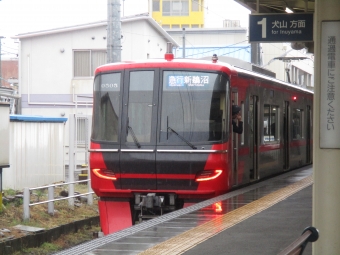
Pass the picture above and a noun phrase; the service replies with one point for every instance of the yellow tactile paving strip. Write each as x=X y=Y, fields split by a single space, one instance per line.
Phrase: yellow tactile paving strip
x=190 y=238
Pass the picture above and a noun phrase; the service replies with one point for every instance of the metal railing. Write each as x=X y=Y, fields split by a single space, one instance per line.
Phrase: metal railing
x=27 y=197
x=297 y=247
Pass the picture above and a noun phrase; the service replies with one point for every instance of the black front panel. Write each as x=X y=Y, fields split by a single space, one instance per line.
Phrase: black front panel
x=177 y=170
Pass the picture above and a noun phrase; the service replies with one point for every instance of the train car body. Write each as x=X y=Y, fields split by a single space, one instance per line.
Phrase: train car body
x=162 y=134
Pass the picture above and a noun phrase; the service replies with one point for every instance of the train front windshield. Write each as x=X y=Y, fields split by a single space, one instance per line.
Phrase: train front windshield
x=192 y=107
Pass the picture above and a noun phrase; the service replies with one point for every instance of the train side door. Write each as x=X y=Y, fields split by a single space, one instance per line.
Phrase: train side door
x=253 y=137
x=286 y=136
x=235 y=144
x=138 y=141
x=309 y=135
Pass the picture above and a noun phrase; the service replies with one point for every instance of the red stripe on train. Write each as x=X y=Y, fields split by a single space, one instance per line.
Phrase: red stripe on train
x=158 y=176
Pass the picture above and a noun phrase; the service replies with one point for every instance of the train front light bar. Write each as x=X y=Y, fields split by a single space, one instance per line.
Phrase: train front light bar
x=104 y=174
x=207 y=175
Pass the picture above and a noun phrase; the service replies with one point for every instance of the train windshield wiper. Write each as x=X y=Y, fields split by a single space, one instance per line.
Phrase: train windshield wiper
x=182 y=138
x=134 y=137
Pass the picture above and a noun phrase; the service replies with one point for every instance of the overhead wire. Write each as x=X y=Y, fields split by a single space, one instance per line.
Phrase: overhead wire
x=5 y=46
x=218 y=48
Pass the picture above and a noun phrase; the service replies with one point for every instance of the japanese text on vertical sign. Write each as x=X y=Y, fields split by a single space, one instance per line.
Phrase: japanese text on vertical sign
x=331 y=54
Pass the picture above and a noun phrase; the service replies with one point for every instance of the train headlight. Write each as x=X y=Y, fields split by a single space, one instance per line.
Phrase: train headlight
x=104 y=174
x=207 y=175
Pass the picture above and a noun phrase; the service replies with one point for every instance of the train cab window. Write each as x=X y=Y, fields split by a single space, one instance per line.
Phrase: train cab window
x=270 y=123
x=106 y=107
x=297 y=124
x=140 y=106
x=193 y=107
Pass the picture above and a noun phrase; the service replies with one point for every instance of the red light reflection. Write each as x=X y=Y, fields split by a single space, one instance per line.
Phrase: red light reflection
x=218 y=207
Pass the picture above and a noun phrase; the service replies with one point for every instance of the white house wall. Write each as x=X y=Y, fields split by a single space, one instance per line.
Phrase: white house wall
x=141 y=41
x=46 y=69
x=47 y=85
x=46 y=64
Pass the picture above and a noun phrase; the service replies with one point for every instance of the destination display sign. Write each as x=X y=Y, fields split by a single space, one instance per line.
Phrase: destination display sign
x=288 y=27
x=186 y=80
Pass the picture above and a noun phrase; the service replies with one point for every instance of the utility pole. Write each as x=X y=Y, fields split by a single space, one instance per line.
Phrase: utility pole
x=255 y=47
x=255 y=53
x=113 y=31
x=123 y=7
x=0 y=61
x=183 y=55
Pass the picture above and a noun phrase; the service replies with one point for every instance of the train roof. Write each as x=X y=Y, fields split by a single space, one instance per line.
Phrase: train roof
x=194 y=63
x=265 y=77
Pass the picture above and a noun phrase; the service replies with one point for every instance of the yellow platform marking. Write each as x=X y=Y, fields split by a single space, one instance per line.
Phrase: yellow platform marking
x=185 y=241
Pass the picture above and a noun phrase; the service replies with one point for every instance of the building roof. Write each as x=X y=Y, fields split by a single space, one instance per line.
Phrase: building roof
x=138 y=17
x=30 y=118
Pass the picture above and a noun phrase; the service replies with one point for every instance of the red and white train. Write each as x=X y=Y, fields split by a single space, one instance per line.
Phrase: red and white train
x=162 y=134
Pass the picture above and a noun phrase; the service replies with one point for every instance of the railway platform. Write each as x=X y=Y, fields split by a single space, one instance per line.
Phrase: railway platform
x=263 y=218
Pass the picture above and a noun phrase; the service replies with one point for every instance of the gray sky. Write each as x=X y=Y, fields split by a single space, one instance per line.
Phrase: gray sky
x=22 y=16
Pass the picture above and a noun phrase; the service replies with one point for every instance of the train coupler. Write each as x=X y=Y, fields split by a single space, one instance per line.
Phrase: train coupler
x=152 y=205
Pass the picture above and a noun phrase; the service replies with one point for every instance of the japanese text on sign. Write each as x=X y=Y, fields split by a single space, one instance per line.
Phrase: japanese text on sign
x=331 y=53
x=188 y=80
x=329 y=82
x=282 y=27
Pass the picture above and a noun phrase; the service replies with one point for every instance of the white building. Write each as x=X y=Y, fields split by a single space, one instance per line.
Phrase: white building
x=56 y=66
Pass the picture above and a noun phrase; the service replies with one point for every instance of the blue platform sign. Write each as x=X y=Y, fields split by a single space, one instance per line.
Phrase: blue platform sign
x=290 y=27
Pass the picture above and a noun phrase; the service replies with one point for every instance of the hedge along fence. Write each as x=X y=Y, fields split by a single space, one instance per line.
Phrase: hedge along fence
x=37 y=239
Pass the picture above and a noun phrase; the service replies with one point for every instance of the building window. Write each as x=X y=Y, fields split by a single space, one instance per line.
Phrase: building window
x=270 y=123
x=195 y=26
x=82 y=130
x=86 y=61
x=195 y=5
x=155 y=6
x=175 y=8
x=166 y=26
x=175 y=26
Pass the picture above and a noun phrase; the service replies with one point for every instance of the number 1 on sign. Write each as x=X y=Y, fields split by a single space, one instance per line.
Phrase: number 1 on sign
x=263 y=23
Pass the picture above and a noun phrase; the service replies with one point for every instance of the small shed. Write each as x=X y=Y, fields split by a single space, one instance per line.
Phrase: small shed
x=36 y=151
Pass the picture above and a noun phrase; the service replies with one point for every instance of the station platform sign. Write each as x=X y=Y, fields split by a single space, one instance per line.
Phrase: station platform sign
x=290 y=27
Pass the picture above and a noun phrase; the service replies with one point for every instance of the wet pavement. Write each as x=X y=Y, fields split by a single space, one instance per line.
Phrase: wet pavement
x=263 y=231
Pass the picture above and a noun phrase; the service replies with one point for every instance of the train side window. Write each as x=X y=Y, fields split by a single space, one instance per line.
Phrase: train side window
x=297 y=124
x=270 y=119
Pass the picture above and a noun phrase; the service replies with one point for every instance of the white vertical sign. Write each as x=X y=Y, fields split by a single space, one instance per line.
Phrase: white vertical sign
x=330 y=85
x=4 y=135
